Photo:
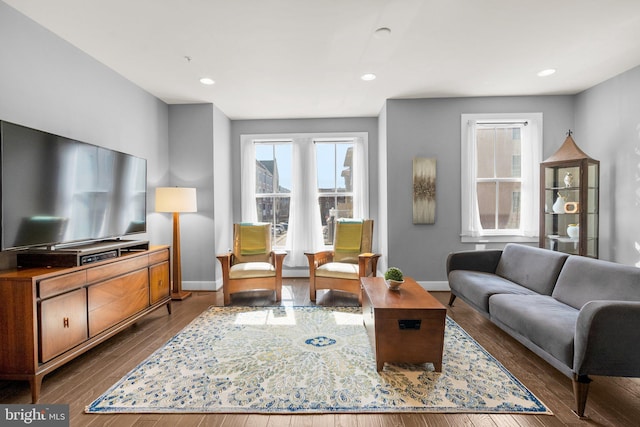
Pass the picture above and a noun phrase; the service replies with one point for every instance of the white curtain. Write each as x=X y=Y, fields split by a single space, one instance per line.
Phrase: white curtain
x=360 y=179
x=471 y=225
x=248 y=188
x=305 y=225
x=531 y=158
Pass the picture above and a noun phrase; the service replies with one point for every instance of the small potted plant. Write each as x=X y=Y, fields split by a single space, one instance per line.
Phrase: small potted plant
x=393 y=277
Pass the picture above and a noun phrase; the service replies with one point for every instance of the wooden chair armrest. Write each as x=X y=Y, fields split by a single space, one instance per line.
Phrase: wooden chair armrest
x=369 y=255
x=277 y=258
x=225 y=258
x=316 y=259
x=226 y=262
x=368 y=264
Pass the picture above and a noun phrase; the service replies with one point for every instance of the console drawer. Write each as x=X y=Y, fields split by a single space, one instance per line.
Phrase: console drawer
x=159 y=286
x=108 y=271
x=63 y=323
x=116 y=299
x=159 y=256
x=61 y=284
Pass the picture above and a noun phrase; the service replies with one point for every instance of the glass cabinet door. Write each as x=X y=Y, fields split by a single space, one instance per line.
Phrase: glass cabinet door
x=569 y=203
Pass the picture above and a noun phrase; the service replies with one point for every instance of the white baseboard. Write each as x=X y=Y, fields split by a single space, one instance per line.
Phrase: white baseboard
x=435 y=285
x=295 y=272
x=199 y=286
x=217 y=285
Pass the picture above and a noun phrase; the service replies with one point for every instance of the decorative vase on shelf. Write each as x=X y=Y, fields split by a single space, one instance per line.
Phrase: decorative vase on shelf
x=573 y=230
x=568 y=180
x=558 y=206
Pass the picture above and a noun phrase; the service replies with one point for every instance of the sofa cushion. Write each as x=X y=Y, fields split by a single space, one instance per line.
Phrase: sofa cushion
x=585 y=279
x=541 y=319
x=534 y=268
x=475 y=287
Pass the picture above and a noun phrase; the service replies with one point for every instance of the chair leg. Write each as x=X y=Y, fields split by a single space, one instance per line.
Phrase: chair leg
x=312 y=290
x=227 y=296
x=580 y=391
x=452 y=298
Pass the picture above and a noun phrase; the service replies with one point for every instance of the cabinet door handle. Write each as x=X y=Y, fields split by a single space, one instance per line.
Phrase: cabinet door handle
x=65 y=322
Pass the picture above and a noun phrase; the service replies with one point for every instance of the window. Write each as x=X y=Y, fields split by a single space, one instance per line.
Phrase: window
x=334 y=183
x=273 y=187
x=500 y=174
x=301 y=184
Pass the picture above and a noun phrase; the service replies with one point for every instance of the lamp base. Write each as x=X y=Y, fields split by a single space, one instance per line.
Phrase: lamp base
x=179 y=296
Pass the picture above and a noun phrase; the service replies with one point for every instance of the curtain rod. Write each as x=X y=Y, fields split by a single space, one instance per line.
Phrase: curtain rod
x=525 y=123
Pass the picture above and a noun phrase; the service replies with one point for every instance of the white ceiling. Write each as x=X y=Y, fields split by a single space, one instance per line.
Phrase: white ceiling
x=304 y=58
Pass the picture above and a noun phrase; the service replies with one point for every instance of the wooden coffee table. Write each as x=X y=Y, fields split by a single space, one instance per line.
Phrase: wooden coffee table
x=404 y=326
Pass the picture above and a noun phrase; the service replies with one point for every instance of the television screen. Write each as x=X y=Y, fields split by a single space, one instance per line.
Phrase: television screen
x=58 y=190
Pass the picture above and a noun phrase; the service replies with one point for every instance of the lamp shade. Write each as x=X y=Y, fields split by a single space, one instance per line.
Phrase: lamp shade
x=176 y=199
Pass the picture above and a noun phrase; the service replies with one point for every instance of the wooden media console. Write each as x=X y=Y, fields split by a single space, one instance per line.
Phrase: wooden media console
x=50 y=315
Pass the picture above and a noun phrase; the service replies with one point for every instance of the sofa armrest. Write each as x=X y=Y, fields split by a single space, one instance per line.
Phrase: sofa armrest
x=606 y=340
x=485 y=260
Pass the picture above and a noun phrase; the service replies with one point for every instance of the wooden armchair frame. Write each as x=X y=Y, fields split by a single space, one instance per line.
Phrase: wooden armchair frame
x=367 y=266
x=231 y=286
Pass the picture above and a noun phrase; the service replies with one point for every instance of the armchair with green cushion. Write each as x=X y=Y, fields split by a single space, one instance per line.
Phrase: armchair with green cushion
x=252 y=265
x=351 y=259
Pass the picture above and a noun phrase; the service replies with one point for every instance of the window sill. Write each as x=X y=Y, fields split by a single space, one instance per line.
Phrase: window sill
x=498 y=239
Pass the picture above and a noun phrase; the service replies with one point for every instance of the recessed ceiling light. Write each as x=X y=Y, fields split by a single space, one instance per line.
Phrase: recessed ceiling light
x=368 y=77
x=547 y=72
x=206 y=81
x=382 y=33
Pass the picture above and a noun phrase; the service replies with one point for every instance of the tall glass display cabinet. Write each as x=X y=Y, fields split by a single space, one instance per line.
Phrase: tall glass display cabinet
x=569 y=197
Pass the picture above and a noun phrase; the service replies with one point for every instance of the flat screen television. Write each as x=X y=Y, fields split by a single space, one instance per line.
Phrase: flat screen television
x=57 y=191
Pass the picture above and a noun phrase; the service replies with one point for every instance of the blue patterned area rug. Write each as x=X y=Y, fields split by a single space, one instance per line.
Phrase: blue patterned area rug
x=276 y=360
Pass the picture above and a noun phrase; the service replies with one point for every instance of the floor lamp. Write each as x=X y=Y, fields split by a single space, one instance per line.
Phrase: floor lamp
x=176 y=200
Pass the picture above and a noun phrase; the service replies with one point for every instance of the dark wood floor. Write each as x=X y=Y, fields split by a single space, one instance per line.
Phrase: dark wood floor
x=612 y=401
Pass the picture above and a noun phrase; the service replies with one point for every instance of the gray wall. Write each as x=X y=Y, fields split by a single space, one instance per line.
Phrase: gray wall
x=199 y=151
x=607 y=119
x=222 y=177
x=431 y=128
x=382 y=230
x=191 y=139
x=47 y=84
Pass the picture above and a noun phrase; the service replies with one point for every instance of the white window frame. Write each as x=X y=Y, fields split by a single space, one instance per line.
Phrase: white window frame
x=531 y=156
x=304 y=214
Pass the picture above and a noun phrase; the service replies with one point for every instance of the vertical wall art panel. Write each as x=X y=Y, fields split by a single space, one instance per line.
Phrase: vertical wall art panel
x=424 y=190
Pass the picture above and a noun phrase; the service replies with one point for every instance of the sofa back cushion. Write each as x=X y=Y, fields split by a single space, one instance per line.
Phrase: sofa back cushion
x=585 y=279
x=533 y=268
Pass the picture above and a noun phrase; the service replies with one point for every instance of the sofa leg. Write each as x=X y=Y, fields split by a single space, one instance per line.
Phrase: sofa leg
x=452 y=298
x=580 y=391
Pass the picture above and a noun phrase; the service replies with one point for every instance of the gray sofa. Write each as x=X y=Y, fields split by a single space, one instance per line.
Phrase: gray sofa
x=581 y=315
